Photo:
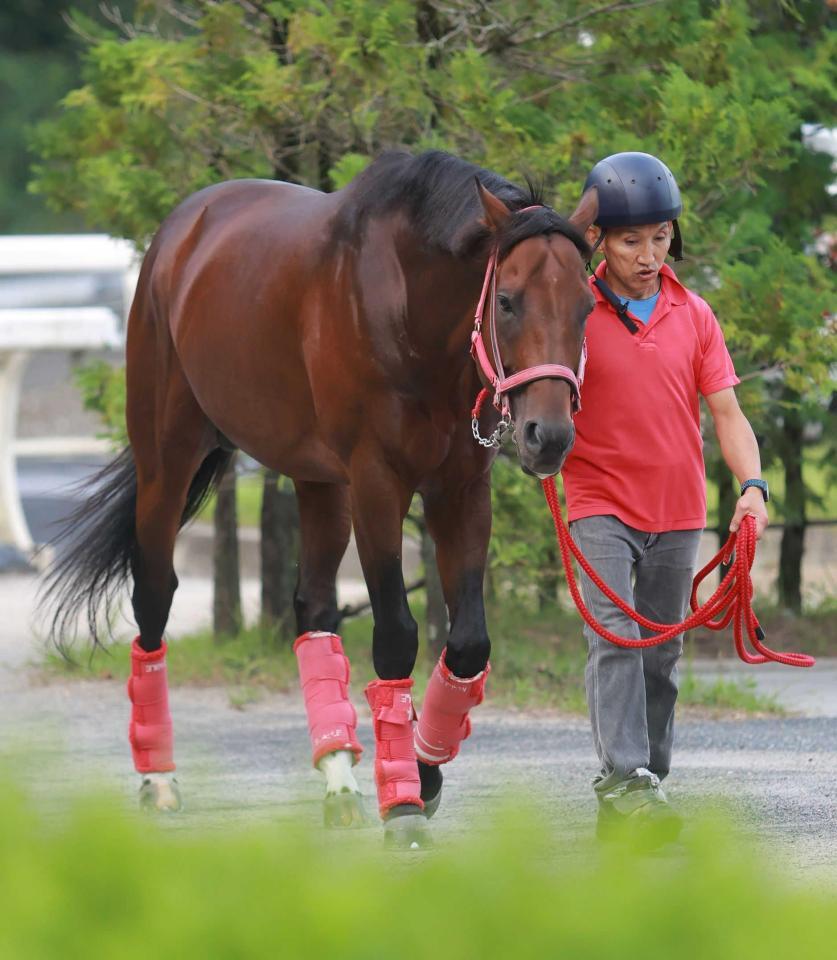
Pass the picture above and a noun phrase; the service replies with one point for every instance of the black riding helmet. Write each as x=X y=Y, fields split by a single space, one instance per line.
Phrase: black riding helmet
x=634 y=189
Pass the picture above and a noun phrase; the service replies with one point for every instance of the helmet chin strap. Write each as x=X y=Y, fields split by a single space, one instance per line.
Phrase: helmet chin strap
x=595 y=247
x=619 y=305
x=676 y=248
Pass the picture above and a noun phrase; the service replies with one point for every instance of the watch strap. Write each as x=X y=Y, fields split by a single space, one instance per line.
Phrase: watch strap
x=761 y=484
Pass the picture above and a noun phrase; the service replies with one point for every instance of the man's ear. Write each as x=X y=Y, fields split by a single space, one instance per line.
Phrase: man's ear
x=591 y=235
x=586 y=212
x=496 y=212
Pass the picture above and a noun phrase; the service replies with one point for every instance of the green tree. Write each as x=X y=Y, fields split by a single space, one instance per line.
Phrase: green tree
x=39 y=63
x=795 y=343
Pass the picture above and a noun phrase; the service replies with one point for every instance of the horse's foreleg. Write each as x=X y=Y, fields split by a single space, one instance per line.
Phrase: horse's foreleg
x=379 y=503
x=459 y=520
x=325 y=527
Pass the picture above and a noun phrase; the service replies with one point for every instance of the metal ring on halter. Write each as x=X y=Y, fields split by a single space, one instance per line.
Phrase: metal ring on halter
x=496 y=436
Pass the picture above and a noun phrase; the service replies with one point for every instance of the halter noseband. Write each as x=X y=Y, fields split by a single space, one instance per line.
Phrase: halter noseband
x=495 y=374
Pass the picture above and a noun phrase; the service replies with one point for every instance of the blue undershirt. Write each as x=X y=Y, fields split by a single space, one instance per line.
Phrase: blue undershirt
x=642 y=309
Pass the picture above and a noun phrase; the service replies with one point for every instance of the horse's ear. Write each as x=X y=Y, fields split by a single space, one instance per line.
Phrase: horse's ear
x=586 y=212
x=496 y=212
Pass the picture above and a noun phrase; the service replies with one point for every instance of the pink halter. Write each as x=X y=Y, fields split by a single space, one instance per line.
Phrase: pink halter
x=495 y=374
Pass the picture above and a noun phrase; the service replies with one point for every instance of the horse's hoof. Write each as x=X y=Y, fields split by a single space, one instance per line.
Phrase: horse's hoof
x=344 y=810
x=407 y=830
x=432 y=805
x=160 y=796
x=431 y=787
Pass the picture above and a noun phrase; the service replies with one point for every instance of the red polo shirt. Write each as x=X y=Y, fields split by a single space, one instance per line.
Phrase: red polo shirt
x=638 y=451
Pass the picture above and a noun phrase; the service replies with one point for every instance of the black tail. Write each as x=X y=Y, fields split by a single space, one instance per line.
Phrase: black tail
x=98 y=540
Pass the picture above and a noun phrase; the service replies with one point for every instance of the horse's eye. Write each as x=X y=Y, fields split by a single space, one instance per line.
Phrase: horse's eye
x=505 y=303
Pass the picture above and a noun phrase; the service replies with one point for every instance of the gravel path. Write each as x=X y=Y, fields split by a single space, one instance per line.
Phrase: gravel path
x=778 y=777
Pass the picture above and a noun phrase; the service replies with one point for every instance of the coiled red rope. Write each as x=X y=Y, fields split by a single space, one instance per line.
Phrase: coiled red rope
x=731 y=602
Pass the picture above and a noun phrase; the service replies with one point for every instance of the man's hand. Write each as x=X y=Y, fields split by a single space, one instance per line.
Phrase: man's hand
x=750 y=502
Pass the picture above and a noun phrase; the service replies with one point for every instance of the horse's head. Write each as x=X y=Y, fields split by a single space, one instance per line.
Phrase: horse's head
x=541 y=300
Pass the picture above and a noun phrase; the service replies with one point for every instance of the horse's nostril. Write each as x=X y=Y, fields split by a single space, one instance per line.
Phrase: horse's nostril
x=547 y=441
x=533 y=435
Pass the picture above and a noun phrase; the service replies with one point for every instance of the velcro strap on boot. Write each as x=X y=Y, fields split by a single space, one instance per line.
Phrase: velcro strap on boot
x=324 y=677
x=396 y=769
x=444 y=722
x=150 y=728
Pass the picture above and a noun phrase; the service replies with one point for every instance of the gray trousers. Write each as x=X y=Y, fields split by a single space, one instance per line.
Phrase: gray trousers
x=631 y=693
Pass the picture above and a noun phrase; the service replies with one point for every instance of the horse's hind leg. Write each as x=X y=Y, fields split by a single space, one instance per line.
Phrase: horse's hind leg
x=325 y=527
x=175 y=462
x=162 y=495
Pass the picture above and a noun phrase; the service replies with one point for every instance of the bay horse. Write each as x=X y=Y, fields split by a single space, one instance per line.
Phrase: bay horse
x=328 y=336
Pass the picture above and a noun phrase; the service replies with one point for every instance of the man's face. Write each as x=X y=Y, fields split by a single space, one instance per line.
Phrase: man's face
x=635 y=254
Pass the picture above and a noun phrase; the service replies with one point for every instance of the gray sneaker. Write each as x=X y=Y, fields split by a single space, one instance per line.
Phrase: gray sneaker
x=637 y=810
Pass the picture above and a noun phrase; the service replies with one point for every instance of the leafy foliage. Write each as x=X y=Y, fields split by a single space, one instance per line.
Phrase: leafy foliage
x=103 y=391
x=39 y=62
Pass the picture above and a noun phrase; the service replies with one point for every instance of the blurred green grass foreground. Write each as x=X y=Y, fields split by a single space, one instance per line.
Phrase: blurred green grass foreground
x=99 y=884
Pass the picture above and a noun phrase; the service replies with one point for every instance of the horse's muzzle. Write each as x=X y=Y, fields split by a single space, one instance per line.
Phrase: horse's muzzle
x=543 y=446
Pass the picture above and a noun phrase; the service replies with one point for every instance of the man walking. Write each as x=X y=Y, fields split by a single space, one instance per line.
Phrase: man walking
x=635 y=479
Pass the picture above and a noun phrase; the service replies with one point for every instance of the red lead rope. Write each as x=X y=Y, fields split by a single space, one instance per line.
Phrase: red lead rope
x=730 y=602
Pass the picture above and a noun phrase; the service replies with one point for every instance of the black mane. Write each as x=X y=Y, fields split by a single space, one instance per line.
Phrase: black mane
x=438 y=193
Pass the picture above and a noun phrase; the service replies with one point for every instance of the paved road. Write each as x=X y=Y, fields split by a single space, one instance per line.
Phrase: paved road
x=778 y=777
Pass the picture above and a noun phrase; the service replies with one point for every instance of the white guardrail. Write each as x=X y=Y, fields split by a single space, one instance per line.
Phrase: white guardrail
x=24 y=330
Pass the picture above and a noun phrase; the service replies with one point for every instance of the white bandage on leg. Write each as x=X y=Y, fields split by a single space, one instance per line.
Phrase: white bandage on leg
x=337 y=768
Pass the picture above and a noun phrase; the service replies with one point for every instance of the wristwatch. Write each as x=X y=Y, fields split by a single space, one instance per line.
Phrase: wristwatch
x=761 y=484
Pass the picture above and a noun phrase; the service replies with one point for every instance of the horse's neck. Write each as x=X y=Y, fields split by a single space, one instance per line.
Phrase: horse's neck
x=418 y=306
x=442 y=297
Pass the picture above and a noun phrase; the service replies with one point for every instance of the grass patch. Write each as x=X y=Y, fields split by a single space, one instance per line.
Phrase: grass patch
x=537 y=663
x=100 y=885
x=814 y=632
x=249 y=659
x=537 y=659
x=724 y=694
x=253 y=662
x=248 y=500
x=242 y=697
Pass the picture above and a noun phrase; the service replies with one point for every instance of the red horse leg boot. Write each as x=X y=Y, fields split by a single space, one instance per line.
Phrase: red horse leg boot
x=150 y=729
x=444 y=721
x=324 y=678
x=396 y=770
